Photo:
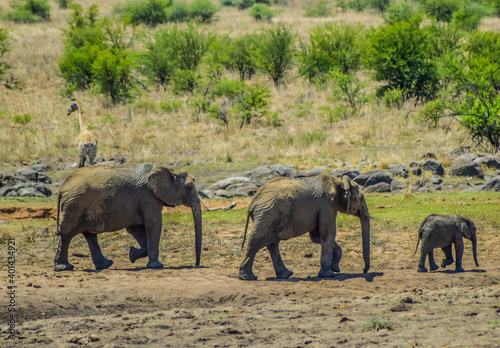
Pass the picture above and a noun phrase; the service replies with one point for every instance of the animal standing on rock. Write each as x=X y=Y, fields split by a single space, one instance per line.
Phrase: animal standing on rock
x=100 y=199
x=87 y=142
x=284 y=208
x=441 y=231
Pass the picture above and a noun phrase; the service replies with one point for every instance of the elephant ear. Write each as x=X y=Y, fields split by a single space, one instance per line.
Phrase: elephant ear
x=464 y=226
x=346 y=185
x=161 y=182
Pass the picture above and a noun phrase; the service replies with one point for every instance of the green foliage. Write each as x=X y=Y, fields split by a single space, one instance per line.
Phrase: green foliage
x=178 y=12
x=469 y=15
x=376 y=324
x=184 y=80
x=243 y=4
x=357 y=5
x=441 y=10
x=150 y=12
x=241 y=55
x=275 y=52
x=23 y=119
x=399 y=13
x=308 y=138
x=379 y=5
x=321 y=9
x=261 y=12
x=331 y=47
x=5 y=47
x=432 y=112
x=64 y=3
x=402 y=56
x=202 y=11
x=253 y=103
x=348 y=89
x=330 y=114
x=29 y=11
x=393 y=98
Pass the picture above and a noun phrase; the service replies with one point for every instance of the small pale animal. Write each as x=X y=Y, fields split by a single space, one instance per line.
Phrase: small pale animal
x=87 y=142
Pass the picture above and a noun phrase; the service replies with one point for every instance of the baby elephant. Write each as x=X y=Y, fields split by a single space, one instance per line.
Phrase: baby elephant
x=440 y=231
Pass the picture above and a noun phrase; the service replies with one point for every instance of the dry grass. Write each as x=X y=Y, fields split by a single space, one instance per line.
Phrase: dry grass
x=379 y=135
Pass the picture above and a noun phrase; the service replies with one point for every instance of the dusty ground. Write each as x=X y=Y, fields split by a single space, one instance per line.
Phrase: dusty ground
x=180 y=306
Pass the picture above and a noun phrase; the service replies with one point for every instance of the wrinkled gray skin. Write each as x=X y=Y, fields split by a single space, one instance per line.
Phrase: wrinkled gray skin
x=285 y=208
x=441 y=231
x=100 y=199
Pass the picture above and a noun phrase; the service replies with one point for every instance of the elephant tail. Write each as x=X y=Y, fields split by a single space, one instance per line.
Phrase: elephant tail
x=58 y=211
x=246 y=228
x=420 y=234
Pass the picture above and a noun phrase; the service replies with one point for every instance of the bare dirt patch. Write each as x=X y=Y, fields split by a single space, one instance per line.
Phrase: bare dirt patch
x=181 y=306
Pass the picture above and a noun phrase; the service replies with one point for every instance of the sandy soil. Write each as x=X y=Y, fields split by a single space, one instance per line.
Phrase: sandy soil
x=181 y=306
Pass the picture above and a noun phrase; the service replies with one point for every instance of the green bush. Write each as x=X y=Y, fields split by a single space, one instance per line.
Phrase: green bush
x=379 y=5
x=321 y=9
x=441 y=10
x=243 y=4
x=399 y=13
x=22 y=120
x=202 y=10
x=253 y=103
x=275 y=52
x=5 y=47
x=29 y=11
x=403 y=57
x=357 y=5
x=348 y=89
x=150 y=12
x=63 y=3
x=242 y=56
x=178 y=12
x=261 y=12
x=468 y=16
x=331 y=46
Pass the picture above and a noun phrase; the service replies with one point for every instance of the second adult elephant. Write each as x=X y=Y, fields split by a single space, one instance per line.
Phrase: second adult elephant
x=285 y=208
x=104 y=199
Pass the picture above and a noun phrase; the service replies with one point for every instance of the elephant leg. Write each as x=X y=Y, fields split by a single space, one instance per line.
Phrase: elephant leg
x=61 y=262
x=100 y=262
x=256 y=241
x=423 y=255
x=432 y=262
x=92 y=154
x=459 y=252
x=279 y=267
x=337 y=256
x=327 y=233
x=153 y=234
x=449 y=256
x=139 y=234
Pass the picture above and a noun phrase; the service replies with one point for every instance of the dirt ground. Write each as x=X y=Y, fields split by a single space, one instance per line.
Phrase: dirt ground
x=181 y=306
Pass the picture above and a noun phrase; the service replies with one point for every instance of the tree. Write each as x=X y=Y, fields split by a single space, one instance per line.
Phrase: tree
x=4 y=48
x=241 y=55
x=274 y=55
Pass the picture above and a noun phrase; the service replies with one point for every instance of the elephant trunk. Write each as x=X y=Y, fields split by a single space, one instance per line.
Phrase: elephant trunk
x=474 y=250
x=198 y=232
x=365 y=232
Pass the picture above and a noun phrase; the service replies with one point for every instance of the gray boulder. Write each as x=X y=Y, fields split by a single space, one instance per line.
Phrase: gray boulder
x=381 y=187
x=396 y=185
x=489 y=161
x=416 y=171
x=245 y=189
x=433 y=166
x=43 y=189
x=465 y=167
x=282 y=170
x=29 y=192
x=118 y=158
x=361 y=179
x=399 y=170
x=351 y=174
x=337 y=173
x=378 y=177
x=436 y=180
x=39 y=167
x=492 y=185
x=26 y=174
x=44 y=179
x=261 y=172
x=222 y=184
x=100 y=159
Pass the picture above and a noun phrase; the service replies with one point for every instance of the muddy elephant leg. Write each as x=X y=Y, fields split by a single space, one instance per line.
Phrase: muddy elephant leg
x=100 y=262
x=449 y=256
x=153 y=234
x=61 y=262
x=279 y=267
x=459 y=253
x=432 y=263
x=139 y=234
x=337 y=257
x=255 y=243
x=423 y=255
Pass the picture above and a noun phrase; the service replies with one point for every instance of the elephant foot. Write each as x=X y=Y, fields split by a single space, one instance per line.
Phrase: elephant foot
x=246 y=275
x=434 y=267
x=63 y=267
x=284 y=275
x=421 y=269
x=326 y=273
x=154 y=264
x=104 y=264
x=134 y=254
x=336 y=269
x=459 y=269
x=446 y=263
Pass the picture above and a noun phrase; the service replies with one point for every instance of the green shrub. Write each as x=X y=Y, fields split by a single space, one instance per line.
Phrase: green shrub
x=469 y=15
x=348 y=89
x=63 y=3
x=321 y=9
x=376 y=324
x=261 y=12
x=29 y=11
x=178 y=12
x=243 y=4
x=399 y=13
x=242 y=57
x=357 y=5
x=202 y=10
x=379 y=5
x=5 y=47
x=150 y=12
x=23 y=119
x=275 y=52
x=403 y=57
x=226 y=3
x=441 y=10
x=184 y=80
x=331 y=46
x=253 y=103
x=393 y=98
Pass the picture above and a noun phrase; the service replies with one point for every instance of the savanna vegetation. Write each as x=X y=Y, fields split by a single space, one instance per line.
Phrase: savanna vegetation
x=205 y=82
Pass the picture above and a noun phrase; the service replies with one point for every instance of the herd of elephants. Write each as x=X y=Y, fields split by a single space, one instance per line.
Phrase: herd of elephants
x=99 y=198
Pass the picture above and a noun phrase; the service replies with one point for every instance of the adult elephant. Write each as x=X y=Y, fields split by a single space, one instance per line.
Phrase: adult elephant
x=284 y=208
x=104 y=199
x=441 y=231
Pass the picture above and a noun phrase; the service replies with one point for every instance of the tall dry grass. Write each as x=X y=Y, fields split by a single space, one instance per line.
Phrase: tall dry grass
x=379 y=135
